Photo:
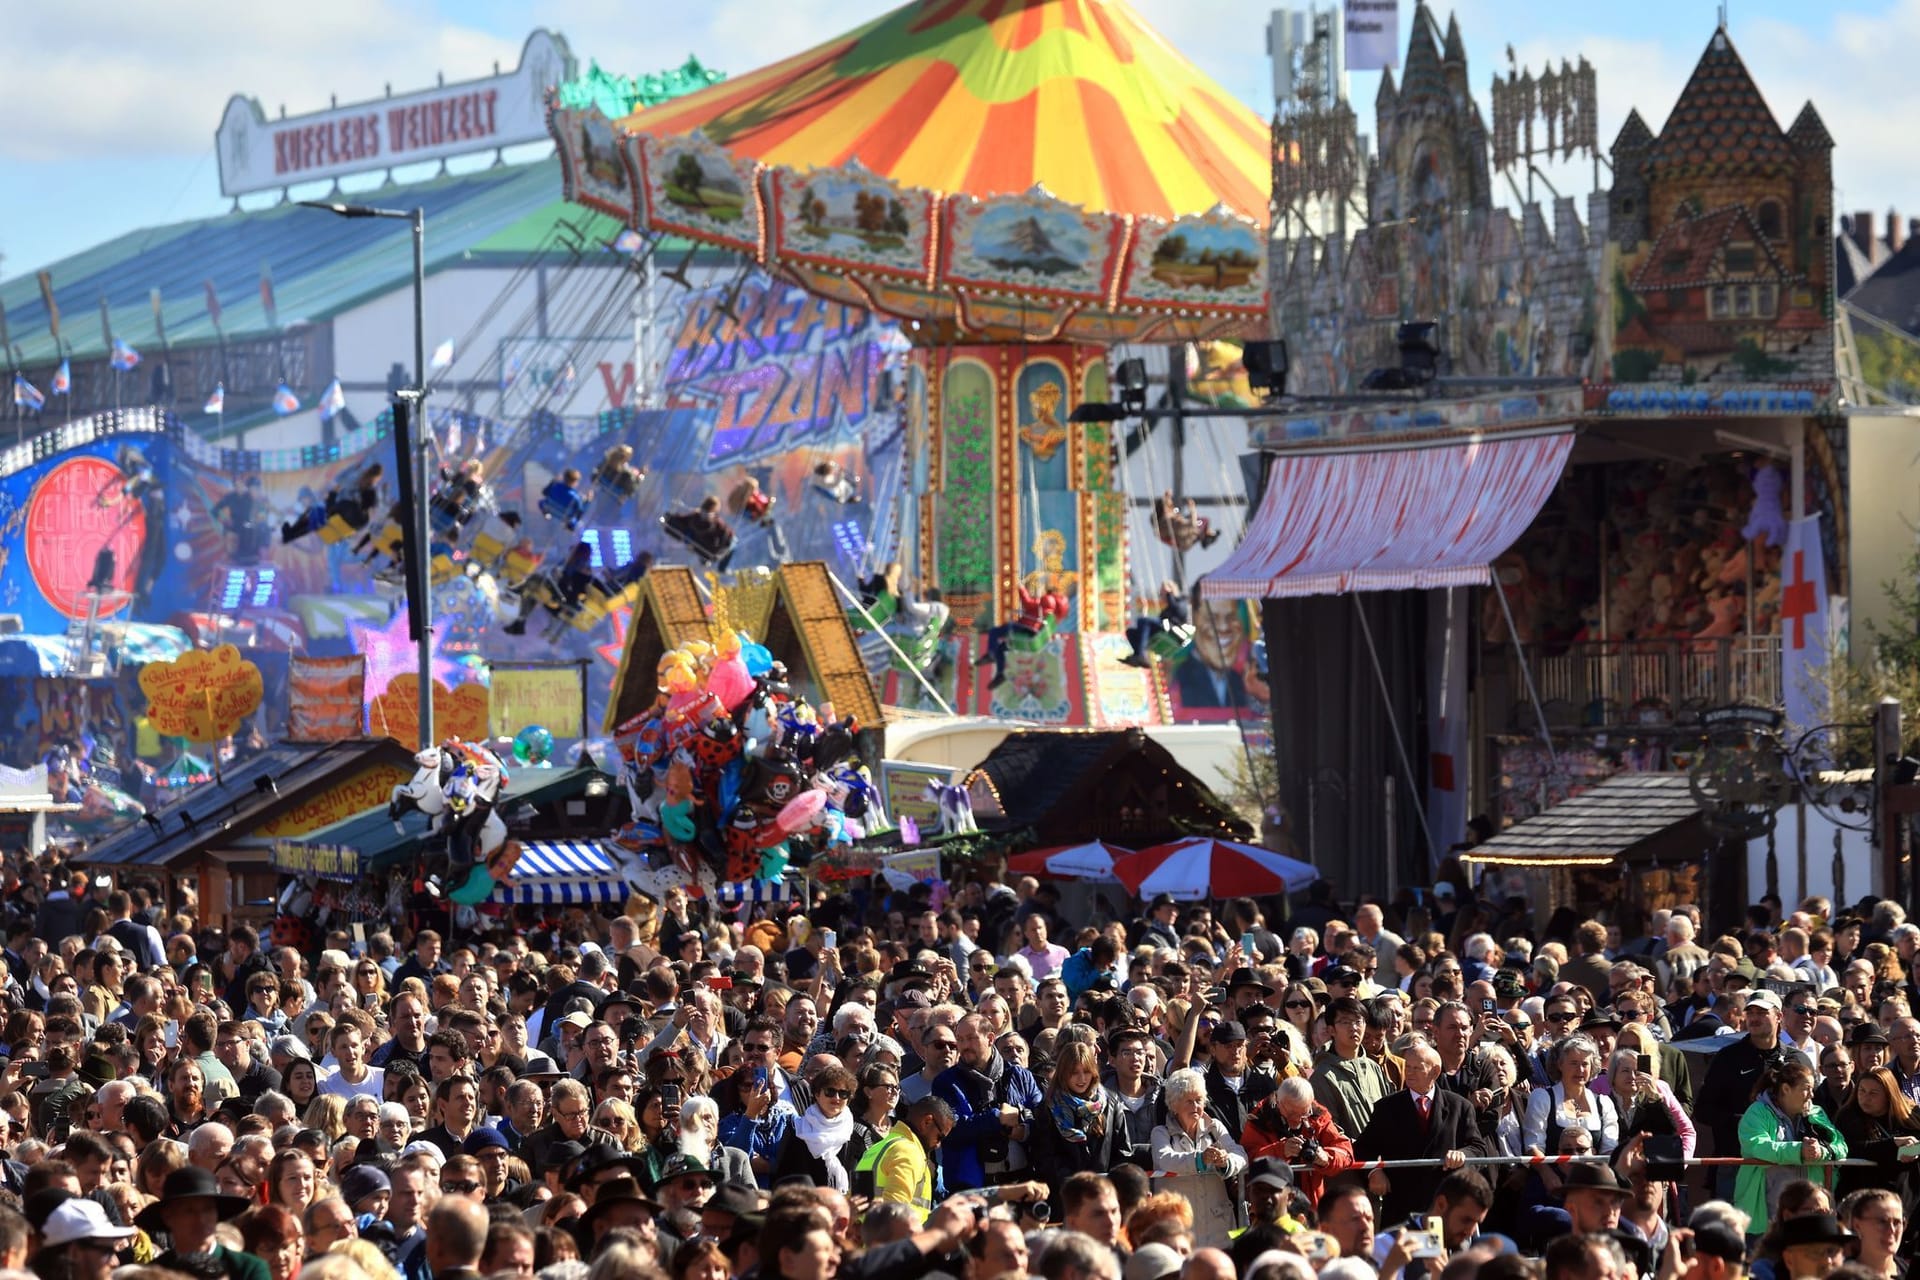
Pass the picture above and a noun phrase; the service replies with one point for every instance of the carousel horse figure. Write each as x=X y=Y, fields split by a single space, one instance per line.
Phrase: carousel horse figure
x=1164 y=635
x=955 y=806
x=1179 y=528
x=458 y=788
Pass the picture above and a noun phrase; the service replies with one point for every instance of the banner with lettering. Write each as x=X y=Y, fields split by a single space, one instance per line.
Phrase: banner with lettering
x=1373 y=34
x=325 y=698
x=371 y=788
x=904 y=870
x=457 y=713
x=551 y=695
x=322 y=861
x=203 y=695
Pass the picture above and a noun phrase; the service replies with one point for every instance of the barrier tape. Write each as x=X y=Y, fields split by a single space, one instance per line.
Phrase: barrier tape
x=1432 y=1162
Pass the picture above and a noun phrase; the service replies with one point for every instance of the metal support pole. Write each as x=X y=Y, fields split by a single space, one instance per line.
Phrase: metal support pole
x=422 y=464
x=905 y=662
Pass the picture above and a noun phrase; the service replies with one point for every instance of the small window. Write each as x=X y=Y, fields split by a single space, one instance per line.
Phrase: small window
x=1765 y=299
x=1742 y=301
x=1768 y=217
x=1718 y=306
x=1674 y=263
x=1741 y=259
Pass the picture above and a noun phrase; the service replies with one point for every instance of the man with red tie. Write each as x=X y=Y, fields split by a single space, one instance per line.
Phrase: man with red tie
x=1420 y=1121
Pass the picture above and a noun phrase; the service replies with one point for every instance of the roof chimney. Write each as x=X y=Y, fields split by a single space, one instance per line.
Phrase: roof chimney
x=1863 y=233
x=1895 y=232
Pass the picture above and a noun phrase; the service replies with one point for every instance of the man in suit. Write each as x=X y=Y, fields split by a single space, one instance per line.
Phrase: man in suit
x=1420 y=1121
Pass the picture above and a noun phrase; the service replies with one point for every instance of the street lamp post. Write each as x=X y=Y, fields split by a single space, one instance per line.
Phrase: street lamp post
x=420 y=588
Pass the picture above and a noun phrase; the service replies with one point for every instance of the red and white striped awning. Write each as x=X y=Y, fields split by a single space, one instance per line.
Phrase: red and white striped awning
x=1390 y=519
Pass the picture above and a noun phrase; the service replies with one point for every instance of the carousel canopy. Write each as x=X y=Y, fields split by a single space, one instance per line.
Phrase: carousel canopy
x=1003 y=168
x=992 y=97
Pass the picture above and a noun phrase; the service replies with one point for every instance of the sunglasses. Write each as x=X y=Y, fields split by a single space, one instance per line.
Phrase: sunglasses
x=1299 y=1004
x=836 y=1093
x=460 y=1188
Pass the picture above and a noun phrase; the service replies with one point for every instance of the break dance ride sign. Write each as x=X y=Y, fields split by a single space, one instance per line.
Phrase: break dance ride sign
x=259 y=154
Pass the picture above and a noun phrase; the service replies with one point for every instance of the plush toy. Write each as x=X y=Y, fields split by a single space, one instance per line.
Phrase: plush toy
x=676 y=813
x=1767 y=522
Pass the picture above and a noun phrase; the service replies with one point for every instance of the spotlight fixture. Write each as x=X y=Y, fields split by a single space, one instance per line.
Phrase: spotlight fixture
x=1420 y=359
x=1094 y=411
x=1130 y=380
x=265 y=785
x=1266 y=364
x=153 y=820
x=188 y=822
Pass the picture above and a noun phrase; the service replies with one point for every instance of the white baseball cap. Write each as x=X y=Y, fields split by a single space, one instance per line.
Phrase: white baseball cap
x=1764 y=999
x=79 y=1219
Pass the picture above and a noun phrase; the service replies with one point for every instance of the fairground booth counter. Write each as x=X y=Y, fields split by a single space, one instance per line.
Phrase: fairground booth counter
x=1560 y=498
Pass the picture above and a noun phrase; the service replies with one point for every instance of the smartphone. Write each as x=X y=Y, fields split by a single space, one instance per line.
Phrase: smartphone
x=718 y=983
x=1646 y=1064
x=1246 y=944
x=1487 y=1006
x=669 y=1096
x=829 y=939
x=760 y=1077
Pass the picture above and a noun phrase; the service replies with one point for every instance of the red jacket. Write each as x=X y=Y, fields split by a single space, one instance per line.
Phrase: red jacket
x=1266 y=1130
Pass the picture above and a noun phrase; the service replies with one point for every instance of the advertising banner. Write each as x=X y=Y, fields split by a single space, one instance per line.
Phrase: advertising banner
x=322 y=861
x=369 y=789
x=325 y=698
x=201 y=696
x=457 y=713
x=1373 y=34
x=549 y=695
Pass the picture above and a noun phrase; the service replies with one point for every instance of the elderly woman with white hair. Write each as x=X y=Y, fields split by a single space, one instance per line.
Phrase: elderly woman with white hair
x=700 y=1136
x=1191 y=1140
x=1568 y=1102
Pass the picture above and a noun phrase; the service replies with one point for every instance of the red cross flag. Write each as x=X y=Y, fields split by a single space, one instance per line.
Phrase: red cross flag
x=1803 y=624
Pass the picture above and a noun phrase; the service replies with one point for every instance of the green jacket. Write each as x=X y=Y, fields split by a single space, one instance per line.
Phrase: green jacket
x=1767 y=1134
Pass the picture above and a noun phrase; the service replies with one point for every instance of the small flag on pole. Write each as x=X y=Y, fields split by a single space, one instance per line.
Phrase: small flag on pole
x=217 y=402
x=26 y=395
x=332 y=401
x=442 y=356
x=124 y=356
x=284 y=401
x=63 y=379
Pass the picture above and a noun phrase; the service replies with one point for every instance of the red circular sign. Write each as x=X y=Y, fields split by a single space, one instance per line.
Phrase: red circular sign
x=67 y=526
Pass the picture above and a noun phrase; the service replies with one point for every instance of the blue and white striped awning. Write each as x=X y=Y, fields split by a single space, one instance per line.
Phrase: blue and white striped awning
x=563 y=872
x=733 y=892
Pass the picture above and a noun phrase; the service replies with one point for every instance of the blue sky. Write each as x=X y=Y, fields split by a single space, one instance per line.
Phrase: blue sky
x=111 y=108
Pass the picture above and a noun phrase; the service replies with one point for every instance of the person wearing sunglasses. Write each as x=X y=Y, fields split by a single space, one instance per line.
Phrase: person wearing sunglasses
x=827 y=1139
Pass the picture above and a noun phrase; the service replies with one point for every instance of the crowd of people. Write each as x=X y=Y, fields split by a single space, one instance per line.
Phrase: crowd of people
x=879 y=1086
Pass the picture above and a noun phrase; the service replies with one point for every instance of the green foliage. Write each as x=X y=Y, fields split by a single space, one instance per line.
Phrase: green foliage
x=1634 y=365
x=1626 y=303
x=966 y=516
x=1850 y=686
x=1253 y=786
x=1752 y=360
x=1889 y=363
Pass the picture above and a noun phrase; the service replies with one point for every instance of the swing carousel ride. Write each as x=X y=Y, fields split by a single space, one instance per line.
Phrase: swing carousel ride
x=1021 y=185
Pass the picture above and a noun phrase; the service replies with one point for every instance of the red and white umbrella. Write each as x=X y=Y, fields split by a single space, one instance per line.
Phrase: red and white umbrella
x=1202 y=867
x=1090 y=861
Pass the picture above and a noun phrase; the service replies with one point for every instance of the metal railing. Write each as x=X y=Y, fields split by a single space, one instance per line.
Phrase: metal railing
x=1629 y=682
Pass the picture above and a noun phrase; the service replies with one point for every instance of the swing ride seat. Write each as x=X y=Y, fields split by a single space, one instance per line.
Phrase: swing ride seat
x=884 y=606
x=493 y=540
x=388 y=540
x=518 y=566
x=1020 y=640
x=336 y=529
x=444 y=570
x=1169 y=642
x=711 y=550
x=592 y=609
x=917 y=650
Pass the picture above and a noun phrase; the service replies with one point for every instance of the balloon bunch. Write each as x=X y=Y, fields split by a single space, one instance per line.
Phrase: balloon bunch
x=732 y=776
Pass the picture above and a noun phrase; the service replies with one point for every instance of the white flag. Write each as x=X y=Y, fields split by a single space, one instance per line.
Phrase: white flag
x=1803 y=624
x=442 y=356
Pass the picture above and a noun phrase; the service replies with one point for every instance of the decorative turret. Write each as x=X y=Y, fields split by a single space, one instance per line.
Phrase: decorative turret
x=1627 y=201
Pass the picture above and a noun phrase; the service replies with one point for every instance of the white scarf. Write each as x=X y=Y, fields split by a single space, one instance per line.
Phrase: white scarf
x=824 y=1137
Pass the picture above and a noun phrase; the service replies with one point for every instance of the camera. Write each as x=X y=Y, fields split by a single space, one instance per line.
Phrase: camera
x=1309 y=1151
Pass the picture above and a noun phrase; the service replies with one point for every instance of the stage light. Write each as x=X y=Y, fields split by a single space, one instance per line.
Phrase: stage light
x=1092 y=411
x=1266 y=364
x=1420 y=360
x=265 y=785
x=153 y=820
x=1130 y=380
x=188 y=822
x=103 y=566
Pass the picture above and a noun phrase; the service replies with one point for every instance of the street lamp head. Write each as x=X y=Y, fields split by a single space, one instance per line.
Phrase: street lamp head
x=352 y=210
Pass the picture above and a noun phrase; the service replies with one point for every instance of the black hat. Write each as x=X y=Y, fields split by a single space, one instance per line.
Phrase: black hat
x=1703 y=1026
x=1246 y=977
x=601 y=1158
x=1809 y=1228
x=908 y=971
x=43 y=1202
x=1509 y=985
x=619 y=1191
x=1160 y=900
x=681 y=1165
x=1345 y=974
x=1718 y=1240
x=189 y=1183
x=1599 y=1018
x=1229 y=1032
x=1593 y=1177
x=1867 y=1033
x=562 y=1155
x=731 y=1197
x=1269 y=1171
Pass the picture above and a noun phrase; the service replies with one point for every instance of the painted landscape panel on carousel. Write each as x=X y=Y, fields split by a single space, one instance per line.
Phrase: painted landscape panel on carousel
x=690 y=184
x=849 y=217
x=595 y=165
x=1030 y=242
x=1210 y=260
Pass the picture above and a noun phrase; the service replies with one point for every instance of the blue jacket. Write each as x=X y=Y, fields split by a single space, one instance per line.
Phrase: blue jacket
x=1080 y=973
x=978 y=1137
x=760 y=1137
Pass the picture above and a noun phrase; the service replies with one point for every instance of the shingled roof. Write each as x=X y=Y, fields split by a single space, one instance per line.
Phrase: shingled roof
x=1700 y=239
x=1721 y=119
x=1596 y=826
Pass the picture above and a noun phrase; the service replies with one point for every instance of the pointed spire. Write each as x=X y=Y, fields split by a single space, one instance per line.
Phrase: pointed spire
x=1387 y=96
x=1423 y=76
x=1634 y=134
x=1721 y=117
x=1456 y=46
x=1809 y=131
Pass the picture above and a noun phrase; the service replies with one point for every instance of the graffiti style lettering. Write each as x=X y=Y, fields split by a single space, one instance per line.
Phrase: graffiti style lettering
x=786 y=368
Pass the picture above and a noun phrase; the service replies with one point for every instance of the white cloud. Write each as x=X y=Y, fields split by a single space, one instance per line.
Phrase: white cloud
x=90 y=78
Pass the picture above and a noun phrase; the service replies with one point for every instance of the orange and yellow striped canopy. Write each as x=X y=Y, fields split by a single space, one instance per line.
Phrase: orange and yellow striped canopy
x=990 y=97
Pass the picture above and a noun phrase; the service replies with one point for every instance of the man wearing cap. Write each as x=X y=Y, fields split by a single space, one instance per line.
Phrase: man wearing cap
x=1735 y=1071
x=1718 y=1253
x=1810 y=1245
x=489 y=1146
x=685 y=1184
x=77 y=1241
x=1233 y=1087
x=190 y=1207
x=1160 y=930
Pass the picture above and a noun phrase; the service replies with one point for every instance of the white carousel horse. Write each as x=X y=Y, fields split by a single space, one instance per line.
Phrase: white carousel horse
x=955 y=806
x=458 y=788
